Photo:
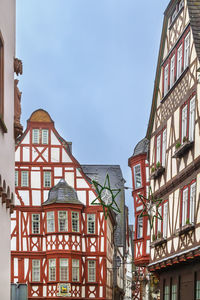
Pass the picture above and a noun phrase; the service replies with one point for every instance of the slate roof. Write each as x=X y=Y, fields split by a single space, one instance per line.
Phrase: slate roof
x=194 y=14
x=62 y=193
x=98 y=173
x=141 y=147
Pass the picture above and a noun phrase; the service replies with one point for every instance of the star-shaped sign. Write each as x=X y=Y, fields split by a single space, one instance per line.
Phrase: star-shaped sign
x=106 y=196
x=151 y=206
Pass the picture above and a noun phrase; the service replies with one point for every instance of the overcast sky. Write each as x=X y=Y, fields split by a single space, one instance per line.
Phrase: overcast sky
x=91 y=64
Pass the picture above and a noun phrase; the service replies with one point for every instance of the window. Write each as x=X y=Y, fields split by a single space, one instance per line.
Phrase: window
x=137 y=176
x=179 y=61
x=188 y=120
x=1 y=78
x=192 y=201
x=91 y=223
x=47 y=179
x=35 y=270
x=166 y=292
x=62 y=221
x=139 y=227
x=52 y=269
x=35 y=136
x=186 y=51
x=24 y=178
x=64 y=269
x=197 y=290
x=188 y=204
x=174 y=292
x=35 y=223
x=161 y=147
x=75 y=221
x=166 y=77
x=172 y=68
x=45 y=136
x=159 y=221
x=16 y=178
x=176 y=11
x=91 y=270
x=165 y=217
x=50 y=221
x=75 y=269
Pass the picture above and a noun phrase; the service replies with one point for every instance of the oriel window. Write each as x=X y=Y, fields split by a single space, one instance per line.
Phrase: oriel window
x=91 y=223
x=52 y=269
x=50 y=221
x=91 y=270
x=75 y=269
x=64 y=269
x=137 y=176
x=75 y=221
x=62 y=221
x=35 y=270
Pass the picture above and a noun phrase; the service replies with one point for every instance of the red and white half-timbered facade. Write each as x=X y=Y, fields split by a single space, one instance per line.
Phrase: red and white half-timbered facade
x=59 y=247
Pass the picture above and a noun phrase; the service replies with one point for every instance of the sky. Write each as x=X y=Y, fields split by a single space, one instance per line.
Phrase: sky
x=91 y=64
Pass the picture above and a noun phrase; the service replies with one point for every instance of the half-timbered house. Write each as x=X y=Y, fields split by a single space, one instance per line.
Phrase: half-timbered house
x=139 y=165
x=174 y=155
x=62 y=245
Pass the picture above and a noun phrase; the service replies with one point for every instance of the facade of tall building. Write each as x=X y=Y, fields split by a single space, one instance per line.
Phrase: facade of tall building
x=9 y=101
x=174 y=154
x=62 y=245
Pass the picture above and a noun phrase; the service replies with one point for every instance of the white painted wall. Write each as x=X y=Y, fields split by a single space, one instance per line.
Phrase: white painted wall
x=7 y=160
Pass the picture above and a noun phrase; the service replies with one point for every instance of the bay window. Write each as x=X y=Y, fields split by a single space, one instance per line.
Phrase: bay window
x=52 y=269
x=91 y=223
x=75 y=221
x=50 y=221
x=139 y=227
x=62 y=221
x=75 y=269
x=64 y=269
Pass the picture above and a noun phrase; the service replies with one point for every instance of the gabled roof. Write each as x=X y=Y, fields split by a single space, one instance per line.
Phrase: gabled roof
x=194 y=14
x=62 y=193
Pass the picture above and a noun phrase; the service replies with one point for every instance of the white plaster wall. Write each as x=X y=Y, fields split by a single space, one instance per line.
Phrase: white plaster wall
x=7 y=149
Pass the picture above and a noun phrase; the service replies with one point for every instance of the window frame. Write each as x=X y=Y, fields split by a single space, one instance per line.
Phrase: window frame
x=76 y=268
x=32 y=270
x=16 y=178
x=37 y=141
x=160 y=153
x=189 y=130
x=134 y=172
x=52 y=267
x=77 y=219
x=66 y=220
x=22 y=182
x=140 y=226
x=89 y=269
x=91 y=221
x=34 y=221
x=45 y=180
x=48 y=220
x=186 y=204
x=67 y=269
x=47 y=136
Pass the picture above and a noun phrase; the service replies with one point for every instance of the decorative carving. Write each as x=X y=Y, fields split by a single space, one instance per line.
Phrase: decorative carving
x=18 y=129
x=18 y=67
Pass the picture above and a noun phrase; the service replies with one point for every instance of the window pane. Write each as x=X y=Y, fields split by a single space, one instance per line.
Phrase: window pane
x=16 y=178
x=166 y=80
x=174 y=292
x=192 y=201
x=184 y=123
x=172 y=68
x=47 y=179
x=91 y=270
x=24 y=178
x=137 y=176
x=186 y=50
x=140 y=227
x=91 y=223
x=50 y=221
x=52 y=269
x=35 y=270
x=64 y=269
x=158 y=148
x=62 y=221
x=164 y=147
x=192 y=119
x=159 y=220
x=75 y=221
x=45 y=136
x=184 y=206
x=165 y=217
x=179 y=61
x=198 y=290
x=75 y=270
x=166 y=293
x=35 y=223
x=35 y=136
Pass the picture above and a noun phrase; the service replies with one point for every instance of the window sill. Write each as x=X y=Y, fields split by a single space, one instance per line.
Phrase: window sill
x=174 y=85
x=159 y=242
x=158 y=172
x=183 y=149
x=186 y=228
x=3 y=125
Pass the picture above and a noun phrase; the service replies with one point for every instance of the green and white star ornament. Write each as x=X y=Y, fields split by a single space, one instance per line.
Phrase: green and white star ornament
x=151 y=207
x=106 y=196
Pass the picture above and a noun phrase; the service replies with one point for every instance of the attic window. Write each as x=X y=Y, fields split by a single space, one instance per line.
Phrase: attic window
x=176 y=11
